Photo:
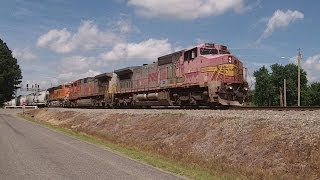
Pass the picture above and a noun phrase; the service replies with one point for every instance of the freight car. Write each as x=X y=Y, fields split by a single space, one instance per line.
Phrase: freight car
x=207 y=74
x=37 y=99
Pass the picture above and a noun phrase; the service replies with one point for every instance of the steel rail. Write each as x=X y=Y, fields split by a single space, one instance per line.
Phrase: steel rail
x=239 y=108
x=277 y=108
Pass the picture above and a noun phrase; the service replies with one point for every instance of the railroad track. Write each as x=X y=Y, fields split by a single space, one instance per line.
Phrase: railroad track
x=277 y=108
x=256 y=108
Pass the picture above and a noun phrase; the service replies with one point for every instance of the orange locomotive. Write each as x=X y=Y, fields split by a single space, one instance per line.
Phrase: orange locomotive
x=59 y=96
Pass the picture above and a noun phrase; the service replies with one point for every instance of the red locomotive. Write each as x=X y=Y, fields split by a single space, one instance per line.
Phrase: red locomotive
x=89 y=91
x=207 y=74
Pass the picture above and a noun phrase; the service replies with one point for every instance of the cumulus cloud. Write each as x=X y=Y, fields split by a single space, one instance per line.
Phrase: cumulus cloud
x=76 y=67
x=88 y=36
x=312 y=66
x=72 y=76
x=24 y=54
x=69 y=69
x=185 y=9
x=147 y=50
x=125 y=25
x=280 y=19
x=251 y=79
x=77 y=64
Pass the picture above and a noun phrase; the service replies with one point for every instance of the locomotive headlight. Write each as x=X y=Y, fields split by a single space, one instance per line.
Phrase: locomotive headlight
x=229 y=59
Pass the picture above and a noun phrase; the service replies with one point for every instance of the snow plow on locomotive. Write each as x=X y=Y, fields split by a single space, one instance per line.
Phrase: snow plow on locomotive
x=205 y=75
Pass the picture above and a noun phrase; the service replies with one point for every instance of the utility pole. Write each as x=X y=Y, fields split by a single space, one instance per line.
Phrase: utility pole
x=299 y=59
x=281 y=99
x=284 y=93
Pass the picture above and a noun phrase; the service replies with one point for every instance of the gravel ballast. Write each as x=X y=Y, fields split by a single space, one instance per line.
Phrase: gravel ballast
x=281 y=144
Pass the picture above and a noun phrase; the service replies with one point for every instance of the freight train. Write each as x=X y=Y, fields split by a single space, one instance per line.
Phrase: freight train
x=38 y=98
x=205 y=75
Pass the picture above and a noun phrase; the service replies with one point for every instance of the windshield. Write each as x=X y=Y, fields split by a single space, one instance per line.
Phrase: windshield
x=224 y=52
x=206 y=51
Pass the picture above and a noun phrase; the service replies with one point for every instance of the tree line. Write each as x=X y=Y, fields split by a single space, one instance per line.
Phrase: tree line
x=10 y=73
x=269 y=87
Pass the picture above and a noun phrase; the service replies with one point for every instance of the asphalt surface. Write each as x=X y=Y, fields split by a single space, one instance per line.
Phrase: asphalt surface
x=29 y=151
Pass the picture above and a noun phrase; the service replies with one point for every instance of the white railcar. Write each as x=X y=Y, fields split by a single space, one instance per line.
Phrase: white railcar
x=37 y=99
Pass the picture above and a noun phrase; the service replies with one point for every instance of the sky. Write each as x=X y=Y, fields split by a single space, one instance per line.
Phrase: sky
x=58 y=41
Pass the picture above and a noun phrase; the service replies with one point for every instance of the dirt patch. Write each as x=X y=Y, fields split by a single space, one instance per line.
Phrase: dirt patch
x=248 y=146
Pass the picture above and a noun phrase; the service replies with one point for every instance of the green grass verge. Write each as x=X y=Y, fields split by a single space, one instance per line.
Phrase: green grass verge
x=182 y=169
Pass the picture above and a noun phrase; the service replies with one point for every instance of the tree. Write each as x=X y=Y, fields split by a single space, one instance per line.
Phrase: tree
x=262 y=94
x=268 y=85
x=10 y=73
x=312 y=95
x=290 y=73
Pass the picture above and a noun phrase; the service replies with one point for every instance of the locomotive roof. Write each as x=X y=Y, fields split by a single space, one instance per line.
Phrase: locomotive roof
x=104 y=75
x=59 y=86
x=125 y=70
x=54 y=88
x=169 y=58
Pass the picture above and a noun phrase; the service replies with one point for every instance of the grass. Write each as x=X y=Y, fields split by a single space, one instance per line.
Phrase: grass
x=161 y=162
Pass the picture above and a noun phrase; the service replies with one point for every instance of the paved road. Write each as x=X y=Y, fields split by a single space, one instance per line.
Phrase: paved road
x=29 y=151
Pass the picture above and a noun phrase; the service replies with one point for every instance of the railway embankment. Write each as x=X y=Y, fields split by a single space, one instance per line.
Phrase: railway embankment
x=246 y=144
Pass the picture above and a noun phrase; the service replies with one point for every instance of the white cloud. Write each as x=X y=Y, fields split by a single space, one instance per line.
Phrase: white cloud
x=24 y=54
x=75 y=67
x=125 y=25
x=76 y=64
x=72 y=76
x=68 y=70
x=312 y=66
x=251 y=80
x=293 y=59
x=185 y=9
x=147 y=50
x=88 y=36
x=280 y=19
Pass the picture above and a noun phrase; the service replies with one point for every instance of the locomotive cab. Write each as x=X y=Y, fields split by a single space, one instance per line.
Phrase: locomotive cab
x=214 y=67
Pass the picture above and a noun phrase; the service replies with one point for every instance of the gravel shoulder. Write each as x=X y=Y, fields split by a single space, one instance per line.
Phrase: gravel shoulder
x=254 y=144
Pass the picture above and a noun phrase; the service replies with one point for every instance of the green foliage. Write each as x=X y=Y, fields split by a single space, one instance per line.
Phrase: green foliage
x=312 y=95
x=10 y=73
x=263 y=92
x=268 y=85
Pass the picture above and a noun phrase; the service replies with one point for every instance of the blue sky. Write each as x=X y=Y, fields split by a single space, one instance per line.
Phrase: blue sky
x=57 y=40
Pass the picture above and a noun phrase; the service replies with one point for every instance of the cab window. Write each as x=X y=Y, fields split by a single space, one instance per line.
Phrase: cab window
x=190 y=54
x=206 y=51
x=221 y=51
